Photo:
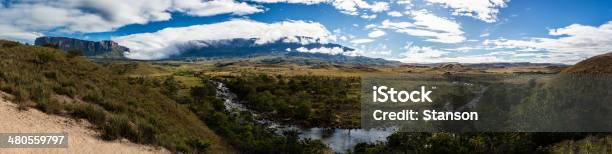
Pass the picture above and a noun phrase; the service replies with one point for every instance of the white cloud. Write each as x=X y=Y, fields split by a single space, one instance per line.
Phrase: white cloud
x=166 y=42
x=307 y=2
x=361 y=41
x=331 y=51
x=215 y=7
x=376 y=33
x=430 y=21
x=474 y=59
x=350 y=7
x=17 y=34
x=25 y=19
x=404 y=2
x=485 y=10
x=343 y=38
x=416 y=54
x=369 y=17
x=464 y=49
x=379 y=6
x=426 y=24
x=374 y=51
x=370 y=26
x=396 y=25
x=395 y=14
x=573 y=43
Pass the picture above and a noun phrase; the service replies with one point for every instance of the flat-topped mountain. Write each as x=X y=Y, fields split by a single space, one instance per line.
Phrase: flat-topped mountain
x=91 y=49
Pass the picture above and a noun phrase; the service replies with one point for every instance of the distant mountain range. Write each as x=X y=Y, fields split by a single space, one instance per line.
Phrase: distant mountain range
x=490 y=64
x=517 y=64
x=303 y=48
x=91 y=49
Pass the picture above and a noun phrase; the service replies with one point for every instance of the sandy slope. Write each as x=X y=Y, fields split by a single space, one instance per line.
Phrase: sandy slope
x=81 y=139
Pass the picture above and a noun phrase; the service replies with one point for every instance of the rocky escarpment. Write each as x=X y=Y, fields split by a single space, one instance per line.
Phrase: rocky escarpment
x=91 y=49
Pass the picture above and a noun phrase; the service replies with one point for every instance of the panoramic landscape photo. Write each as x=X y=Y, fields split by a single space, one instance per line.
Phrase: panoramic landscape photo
x=305 y=76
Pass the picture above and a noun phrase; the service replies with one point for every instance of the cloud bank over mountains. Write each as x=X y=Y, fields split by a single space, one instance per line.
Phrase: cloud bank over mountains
x=166 y=42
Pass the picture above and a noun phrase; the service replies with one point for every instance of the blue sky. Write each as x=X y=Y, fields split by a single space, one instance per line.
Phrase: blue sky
x=413 y=31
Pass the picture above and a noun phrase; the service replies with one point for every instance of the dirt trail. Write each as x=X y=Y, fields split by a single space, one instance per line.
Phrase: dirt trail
x=81 y=138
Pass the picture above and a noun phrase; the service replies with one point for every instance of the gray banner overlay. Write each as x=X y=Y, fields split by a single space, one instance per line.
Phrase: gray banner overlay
x=488 y=103
x=33 y=140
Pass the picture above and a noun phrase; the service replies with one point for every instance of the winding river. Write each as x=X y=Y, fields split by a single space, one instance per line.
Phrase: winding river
x=338 y=139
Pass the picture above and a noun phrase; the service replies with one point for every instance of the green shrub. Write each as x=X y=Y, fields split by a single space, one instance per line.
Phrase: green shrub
x=120 y=126
x=50 y=106
x=170 y=87
x=114 y=107
x=199 y=145
x=94 y=97
x=92 y=113
x=7 y=44
x=147 y=132
x=182 y=147
x=45 y=57
x=65 y=90
x=21 y=95
x=39 y=93
x=74 y=53
x=200 y=92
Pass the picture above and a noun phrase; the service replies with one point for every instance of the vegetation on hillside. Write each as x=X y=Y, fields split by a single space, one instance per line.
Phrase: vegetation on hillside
x=118 y=107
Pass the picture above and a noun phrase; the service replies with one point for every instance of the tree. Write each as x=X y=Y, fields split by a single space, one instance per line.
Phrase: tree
x=303 y=110
x=171 y=87
x=200 y=92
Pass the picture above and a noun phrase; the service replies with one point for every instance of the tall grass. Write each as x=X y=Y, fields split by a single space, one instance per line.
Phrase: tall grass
x=118 y=108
